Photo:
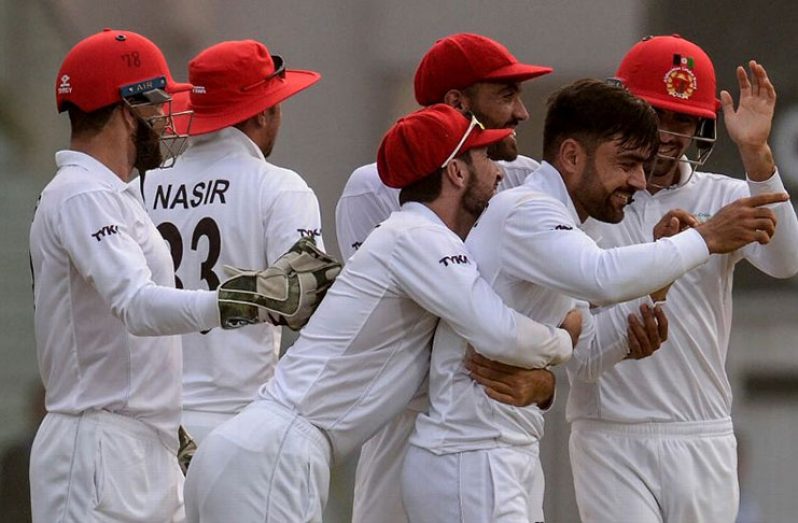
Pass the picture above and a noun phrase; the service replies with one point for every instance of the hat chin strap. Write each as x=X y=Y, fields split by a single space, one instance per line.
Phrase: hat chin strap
x=702 y=143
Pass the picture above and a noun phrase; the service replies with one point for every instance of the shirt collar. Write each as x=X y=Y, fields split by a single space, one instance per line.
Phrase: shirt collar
x=228 y=139
x=547 y=179
x=97 y=169
x=422 y=210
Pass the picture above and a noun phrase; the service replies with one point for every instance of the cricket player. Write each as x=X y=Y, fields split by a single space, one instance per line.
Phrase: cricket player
x=106 y=313
x=365 y=352
x=479 y=457
x=224 y=204
x=477 y=75
x=652 y=441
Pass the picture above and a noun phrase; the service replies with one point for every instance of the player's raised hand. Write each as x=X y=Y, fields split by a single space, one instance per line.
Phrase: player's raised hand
x=749 y=125
x=741 y=222
x=648 y=335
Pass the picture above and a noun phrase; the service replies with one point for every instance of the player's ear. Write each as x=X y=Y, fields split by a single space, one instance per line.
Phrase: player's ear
x=457 y=99
x=570 y=156
x=456 y=172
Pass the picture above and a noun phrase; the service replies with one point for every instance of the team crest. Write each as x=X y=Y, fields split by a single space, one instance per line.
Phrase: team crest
x=680 y=80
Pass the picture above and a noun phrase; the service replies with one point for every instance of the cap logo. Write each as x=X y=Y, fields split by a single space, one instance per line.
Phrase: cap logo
x=680 y=81
x=64 y=87
x=199 y=89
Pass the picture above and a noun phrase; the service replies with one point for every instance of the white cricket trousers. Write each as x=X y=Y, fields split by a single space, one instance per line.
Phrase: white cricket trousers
x=199 y=423
x=672 y=472
x=103 y=467
x=378 y=478
x=266 y=465
x=501 y=485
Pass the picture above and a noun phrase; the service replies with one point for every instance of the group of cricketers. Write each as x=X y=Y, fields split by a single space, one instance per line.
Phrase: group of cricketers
x=470 y=271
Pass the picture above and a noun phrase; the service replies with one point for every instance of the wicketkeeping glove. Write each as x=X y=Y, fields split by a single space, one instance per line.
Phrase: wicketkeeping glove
x=187 y=449
x=286 y=293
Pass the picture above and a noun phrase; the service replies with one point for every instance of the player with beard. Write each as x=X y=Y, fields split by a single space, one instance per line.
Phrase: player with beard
x=365 y=352
x=475 y=75
x=106 y=311
x=653 y=441
x=225 y=204
x=479 y=457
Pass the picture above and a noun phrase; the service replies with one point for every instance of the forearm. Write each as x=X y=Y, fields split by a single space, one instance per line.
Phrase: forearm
x=163 y=311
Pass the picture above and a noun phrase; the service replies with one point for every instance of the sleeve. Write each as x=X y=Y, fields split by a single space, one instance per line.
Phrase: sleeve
x=360 y=211
x=434 y=269
x=539 y=231
x=604 y=340
x=290 y=214
x=97 y=236
x=779 y=258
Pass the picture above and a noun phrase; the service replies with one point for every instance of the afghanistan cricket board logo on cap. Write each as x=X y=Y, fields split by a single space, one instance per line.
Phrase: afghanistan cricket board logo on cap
x=680 y=80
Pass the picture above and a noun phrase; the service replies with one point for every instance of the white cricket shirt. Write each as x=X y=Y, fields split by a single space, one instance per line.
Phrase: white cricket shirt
x=104 y=308
x=366 y=201
x=365 y=351
x=529 y=247
x=685 y=380
x=224 y=204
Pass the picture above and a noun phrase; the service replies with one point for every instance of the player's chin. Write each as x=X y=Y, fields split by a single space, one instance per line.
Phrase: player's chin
x=506 y=150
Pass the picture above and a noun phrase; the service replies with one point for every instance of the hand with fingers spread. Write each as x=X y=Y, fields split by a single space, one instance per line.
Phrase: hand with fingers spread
x=749 y=125
x=741 y=222
x=648 y=335
x=511 y=385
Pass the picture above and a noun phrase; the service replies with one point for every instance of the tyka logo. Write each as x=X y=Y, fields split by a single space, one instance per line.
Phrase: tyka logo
x=563 y=228
x=460 y=259
x=64 y=87
x=309 y=233
x=105 y=231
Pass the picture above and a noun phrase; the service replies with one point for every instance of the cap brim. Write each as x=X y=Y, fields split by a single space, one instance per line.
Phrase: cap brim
x=517 y=73
x=485 y=137
x=294 y=82
x=681 y=107
x=178 y=87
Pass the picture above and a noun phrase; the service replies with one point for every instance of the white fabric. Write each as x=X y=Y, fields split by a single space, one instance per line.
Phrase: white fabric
x=199 y=423
x=266 y=465
x=514 y=243
x=488 y=486
x=224 y=204
x=364 y=204
x=103 y=302
x=365 y=201
x=101 y=467
x=365 y=351
x=655 y=472
x=685 y=380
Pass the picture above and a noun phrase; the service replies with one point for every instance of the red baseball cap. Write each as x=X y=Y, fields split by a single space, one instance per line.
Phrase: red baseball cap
x=463 y=59
x=108 y=65
x=420 y=143
x=236 y=80
x=671 y=73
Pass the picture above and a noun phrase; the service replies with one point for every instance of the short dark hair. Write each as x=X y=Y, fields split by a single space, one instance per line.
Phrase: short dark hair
x=428 y=188
x=594 y=112
x=84 y=123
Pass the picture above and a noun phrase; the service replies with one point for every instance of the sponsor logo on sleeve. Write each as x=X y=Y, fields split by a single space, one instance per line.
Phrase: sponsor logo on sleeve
x=108 y=230
x=563 y=228
x=457 y=259
x=309 y=233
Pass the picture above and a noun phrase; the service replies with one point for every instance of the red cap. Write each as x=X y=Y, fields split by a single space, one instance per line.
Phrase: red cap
x=98 y=67
x=671 y=73
x=236 y=80
x=461 y=60
x=420 y=142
